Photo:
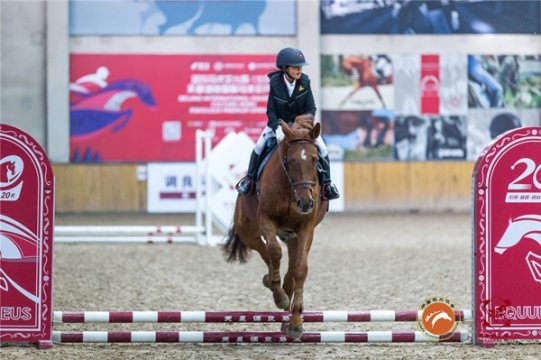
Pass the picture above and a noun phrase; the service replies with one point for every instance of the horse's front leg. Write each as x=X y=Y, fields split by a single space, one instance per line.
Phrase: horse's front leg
x=274 y=251
x=299 y=276
x=292 y=246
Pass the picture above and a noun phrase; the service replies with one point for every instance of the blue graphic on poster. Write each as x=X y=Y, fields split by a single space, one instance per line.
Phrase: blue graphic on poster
x=182 y=17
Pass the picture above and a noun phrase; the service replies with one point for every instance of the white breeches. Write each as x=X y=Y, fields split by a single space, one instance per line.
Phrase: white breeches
x=268 y=133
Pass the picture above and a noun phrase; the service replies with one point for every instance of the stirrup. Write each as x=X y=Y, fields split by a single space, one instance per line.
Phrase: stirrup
x=330 y=192
x=244 y=186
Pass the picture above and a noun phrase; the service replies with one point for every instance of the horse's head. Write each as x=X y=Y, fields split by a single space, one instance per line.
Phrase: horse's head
x=298 y=153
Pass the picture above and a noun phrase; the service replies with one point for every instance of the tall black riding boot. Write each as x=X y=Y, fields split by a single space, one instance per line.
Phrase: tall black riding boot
x=245 y=184
x=328 y=189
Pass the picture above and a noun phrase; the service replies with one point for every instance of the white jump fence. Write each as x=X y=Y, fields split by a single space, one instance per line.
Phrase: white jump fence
x=200 y=233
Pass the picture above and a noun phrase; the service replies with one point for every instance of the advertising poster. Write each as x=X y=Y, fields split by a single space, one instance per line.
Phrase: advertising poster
x=357 y=102
x=430 y=17
x=454 y=85
x=452 y=89
x=356 y=82
x=509 y=81
x=430 y=84
x=182 y=17
x=148 y=107
x=358 y=135
x=407 y=68
x=484 y=125
x=410 y=138
x=430 y=138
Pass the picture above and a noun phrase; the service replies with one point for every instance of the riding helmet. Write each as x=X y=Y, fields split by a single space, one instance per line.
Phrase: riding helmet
x=290 y=57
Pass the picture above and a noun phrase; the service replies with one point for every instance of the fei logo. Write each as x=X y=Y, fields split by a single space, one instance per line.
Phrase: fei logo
x=523 y=227
x=11 y=183
x=437 y=318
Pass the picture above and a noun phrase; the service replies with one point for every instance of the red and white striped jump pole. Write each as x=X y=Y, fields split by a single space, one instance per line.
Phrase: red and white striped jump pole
x=240 y=316
x=250 y=337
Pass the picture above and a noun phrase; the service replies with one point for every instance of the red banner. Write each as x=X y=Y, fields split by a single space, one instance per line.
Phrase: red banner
x=430 y=84
x=148 y=107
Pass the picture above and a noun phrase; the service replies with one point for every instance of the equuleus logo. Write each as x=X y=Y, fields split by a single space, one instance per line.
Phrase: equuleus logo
x=519 y=228
x=11 y=183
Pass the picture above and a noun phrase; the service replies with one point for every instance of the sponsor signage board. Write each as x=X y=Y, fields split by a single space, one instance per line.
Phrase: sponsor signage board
x=26 y=239
x=507 y=238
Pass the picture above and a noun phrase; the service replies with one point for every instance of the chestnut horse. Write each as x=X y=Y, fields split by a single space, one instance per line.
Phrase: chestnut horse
x=288 y=205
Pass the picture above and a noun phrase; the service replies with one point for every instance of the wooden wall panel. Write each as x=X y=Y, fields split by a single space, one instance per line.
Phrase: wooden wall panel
x=384 y=186
x=408 y=186
x=99 y=188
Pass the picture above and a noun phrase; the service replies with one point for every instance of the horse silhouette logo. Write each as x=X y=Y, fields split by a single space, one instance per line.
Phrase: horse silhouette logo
x=18 y=250
x=523 y=227
x=97 y=107
x=437 y=318
x=11 y=183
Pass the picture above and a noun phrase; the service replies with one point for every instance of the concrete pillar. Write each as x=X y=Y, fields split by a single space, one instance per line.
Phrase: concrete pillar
x=57 y=122
x=308 y=40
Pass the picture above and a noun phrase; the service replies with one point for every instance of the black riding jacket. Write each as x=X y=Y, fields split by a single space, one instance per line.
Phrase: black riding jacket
x=281 y=106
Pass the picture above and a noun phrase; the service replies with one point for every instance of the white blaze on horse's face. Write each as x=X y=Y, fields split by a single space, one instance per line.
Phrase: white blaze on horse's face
x=303 y=154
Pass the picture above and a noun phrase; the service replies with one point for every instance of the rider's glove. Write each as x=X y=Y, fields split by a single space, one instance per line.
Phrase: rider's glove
x=279 y=134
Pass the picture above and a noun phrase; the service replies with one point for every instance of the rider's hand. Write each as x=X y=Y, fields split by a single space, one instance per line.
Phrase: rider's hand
x=279 y=133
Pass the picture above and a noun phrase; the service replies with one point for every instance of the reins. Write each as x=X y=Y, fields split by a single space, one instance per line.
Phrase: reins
x=306 y=184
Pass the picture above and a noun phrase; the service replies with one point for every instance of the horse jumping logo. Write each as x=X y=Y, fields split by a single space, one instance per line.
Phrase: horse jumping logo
x=11 y=169
x=97 y=106
x=523 y=227
x=18 y=250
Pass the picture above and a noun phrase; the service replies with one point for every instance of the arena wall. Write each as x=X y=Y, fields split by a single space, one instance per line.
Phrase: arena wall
x=368 y=187
x=35 y=50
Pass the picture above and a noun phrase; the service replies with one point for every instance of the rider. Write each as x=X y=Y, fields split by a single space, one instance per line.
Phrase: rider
x=290 y=95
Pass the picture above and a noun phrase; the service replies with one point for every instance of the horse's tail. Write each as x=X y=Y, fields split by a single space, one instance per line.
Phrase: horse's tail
x=234 y=249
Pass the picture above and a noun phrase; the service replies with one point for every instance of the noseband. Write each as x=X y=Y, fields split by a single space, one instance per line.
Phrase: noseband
x=306 y=184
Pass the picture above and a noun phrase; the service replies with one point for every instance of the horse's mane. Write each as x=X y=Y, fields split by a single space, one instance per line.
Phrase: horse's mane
x=303 y=124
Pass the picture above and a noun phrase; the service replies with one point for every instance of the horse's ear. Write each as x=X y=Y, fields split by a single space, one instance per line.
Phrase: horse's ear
x=316 y=131
x=286 y=129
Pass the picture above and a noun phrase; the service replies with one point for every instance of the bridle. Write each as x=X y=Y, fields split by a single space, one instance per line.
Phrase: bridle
x=306 y=184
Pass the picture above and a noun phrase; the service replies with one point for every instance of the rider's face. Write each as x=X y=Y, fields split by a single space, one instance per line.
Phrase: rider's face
x=294 y=72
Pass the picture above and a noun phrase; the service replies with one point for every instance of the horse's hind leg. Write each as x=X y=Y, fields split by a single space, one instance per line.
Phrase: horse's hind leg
x=255 y=242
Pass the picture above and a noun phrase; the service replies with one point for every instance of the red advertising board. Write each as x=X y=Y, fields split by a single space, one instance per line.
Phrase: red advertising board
x=26 y=239
x=507 y=230
x=430 y=84
x=148 y=107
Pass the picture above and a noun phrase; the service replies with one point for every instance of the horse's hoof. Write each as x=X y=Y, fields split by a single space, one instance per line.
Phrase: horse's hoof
x=280 y=298
x=285 y=327
x=266 y=281
x=294 y=332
